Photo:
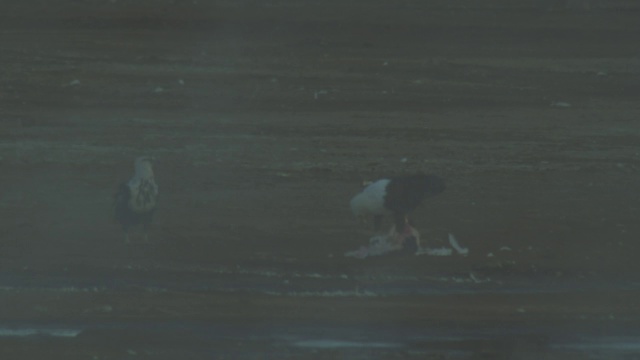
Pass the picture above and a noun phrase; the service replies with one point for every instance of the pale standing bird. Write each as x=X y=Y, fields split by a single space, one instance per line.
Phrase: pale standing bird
x=136 y=200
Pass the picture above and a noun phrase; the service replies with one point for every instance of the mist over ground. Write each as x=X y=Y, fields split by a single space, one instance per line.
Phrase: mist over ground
x=265 y=119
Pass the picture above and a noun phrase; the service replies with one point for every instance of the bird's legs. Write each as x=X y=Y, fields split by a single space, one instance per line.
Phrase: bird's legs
x=145 y=234
x=407 y=237
x=145 y=228
x=377 y=222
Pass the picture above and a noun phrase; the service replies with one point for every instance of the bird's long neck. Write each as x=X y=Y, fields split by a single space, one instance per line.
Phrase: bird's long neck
x=144 y=171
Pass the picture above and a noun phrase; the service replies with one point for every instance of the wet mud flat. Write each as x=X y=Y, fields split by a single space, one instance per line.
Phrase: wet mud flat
x=265 y=118
x=123 y=314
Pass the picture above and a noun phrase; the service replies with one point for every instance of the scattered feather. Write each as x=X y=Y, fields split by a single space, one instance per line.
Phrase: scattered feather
x=443 y=251
x=454 y=244
x=561 y=104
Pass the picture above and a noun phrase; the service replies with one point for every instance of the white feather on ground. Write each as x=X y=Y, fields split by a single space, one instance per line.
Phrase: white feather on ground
x=384 y=244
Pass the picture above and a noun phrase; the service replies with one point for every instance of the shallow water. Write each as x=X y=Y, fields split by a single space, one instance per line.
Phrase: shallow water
x=287 y=340
x=116 y=323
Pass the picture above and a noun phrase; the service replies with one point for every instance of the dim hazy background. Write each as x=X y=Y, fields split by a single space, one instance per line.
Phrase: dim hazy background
x=265 y=118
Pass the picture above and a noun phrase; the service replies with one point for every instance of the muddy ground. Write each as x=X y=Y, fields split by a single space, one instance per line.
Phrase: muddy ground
x=266 y=117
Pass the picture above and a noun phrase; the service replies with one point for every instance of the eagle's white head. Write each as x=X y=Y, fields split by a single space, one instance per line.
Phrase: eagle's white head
x=370 y=201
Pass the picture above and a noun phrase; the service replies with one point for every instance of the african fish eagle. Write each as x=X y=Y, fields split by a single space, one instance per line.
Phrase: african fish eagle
x=397 y=196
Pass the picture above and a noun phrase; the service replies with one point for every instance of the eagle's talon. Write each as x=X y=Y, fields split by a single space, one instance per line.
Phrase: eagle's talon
x=397 y=196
